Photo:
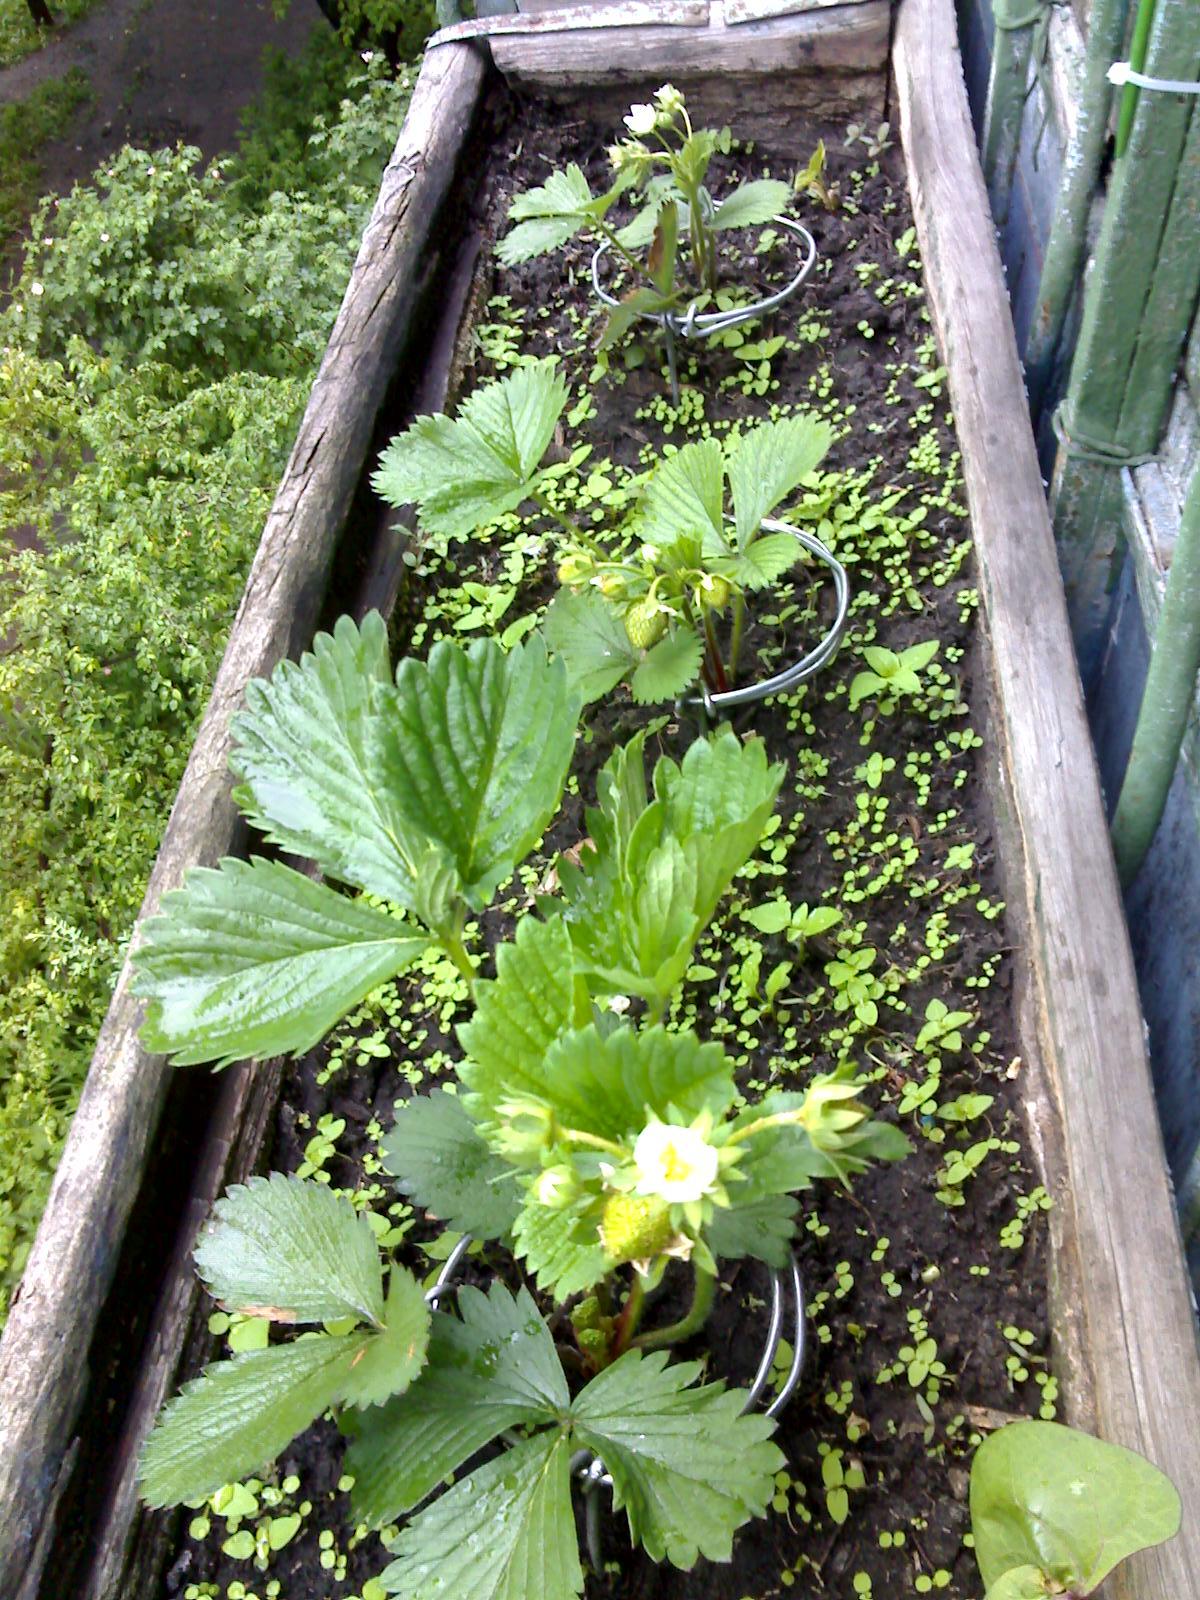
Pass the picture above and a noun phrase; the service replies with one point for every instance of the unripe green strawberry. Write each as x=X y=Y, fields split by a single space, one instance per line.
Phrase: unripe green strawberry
x=575 y=567
x=614 y=585
x=715 y=592
x=634 y=1228
x=595 y=1345
x=645 y=624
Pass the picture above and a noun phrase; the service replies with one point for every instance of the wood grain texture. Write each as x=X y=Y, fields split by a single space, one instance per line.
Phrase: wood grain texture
x=849 y=38
x=1131 y=1330
x=44 y=1352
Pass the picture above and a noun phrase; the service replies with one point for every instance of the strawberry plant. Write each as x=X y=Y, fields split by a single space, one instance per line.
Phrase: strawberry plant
x=640 y=602
x=597 y=1150
x=669 y=250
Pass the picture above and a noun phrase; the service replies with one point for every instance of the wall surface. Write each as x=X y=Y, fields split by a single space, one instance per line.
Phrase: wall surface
x=1163 y=904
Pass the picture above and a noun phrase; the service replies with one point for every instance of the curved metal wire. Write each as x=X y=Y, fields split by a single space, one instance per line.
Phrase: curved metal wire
x=692 y=323
x=816 y=658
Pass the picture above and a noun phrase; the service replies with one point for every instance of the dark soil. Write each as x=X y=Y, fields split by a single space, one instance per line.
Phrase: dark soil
x=890 y=1256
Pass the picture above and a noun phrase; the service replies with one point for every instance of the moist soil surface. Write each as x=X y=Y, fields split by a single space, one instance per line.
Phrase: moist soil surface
x=884 y=815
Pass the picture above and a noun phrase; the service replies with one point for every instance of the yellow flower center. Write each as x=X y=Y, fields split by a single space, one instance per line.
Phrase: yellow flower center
x=675 y=1168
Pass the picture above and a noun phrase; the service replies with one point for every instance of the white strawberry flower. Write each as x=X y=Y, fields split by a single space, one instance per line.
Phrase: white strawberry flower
x=676 y=1163
x=642 y=119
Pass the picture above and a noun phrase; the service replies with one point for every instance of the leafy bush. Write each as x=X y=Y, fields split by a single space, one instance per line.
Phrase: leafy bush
x=146 y=410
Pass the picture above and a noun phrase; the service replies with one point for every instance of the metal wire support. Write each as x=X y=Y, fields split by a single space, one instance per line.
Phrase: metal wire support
x=791 y=677
x=696 y=324
x=787 y=1306
x=446 y=1281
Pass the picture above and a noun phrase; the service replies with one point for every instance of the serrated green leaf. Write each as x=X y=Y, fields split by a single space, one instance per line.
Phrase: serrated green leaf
x=585 y=631
x=505 y=1533
x=477 y=744
x=256 y=960
x=532 y=1000
x=547 y=216
x=767 y=463
x=752 y=203
x=440 y=1161
x=1048 y=1496
x=305 y=750
x=684 y=495
x=637 y=234
x=687 y=1468
x=761 y=1227
x=667 y=669
x=239 y=1414
x=495 y=1369
x=560 y=1247
x=766 y=559
x=466 y=472
x=391 y=1359
x=292 y=1250
x=639 y=900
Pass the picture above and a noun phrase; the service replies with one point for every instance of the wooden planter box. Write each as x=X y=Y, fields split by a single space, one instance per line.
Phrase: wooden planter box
x=149 y=1150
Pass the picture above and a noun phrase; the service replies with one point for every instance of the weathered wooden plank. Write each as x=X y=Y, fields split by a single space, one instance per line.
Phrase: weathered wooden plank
x=1130 y=1331
x=540 y=22
x=849 y=38
x=44 y=1353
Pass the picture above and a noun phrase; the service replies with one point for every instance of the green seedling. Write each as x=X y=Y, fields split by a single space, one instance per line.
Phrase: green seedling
x=798 y=924
x=891 y=676
x=811 y=180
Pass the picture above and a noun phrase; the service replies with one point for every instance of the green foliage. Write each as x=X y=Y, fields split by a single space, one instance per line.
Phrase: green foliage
x=647 y=615
x=145 y=486
x=646 y=887
x=301 y=1254
x=665 y=163
x=466 y=472
x=439 y=1158
x=426 y=792
x=688 y=1469
x=891 y=674
x=20 y=36
x=1055 y=1510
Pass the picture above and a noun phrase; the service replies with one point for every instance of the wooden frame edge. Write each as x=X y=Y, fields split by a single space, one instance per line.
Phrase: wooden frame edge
x=1132 y=1334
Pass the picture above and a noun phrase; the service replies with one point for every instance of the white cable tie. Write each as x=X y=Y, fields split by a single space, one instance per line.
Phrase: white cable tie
x=1121 y=73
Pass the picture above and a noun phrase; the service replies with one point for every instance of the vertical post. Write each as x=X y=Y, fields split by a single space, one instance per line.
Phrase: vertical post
x=1166 y=700
x=1139 y=302
x=1067 y=245
x=1007 y=89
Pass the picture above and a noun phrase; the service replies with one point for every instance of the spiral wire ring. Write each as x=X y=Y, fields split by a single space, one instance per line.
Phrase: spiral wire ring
x=696 y=324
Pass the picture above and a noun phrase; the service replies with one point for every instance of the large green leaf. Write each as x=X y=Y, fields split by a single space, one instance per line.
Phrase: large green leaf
x=466 y=472
x=1074 y=1506
x=768 y=462
x=507 y=1532
x=752 y=203
x=639 y=900
x=533 y=999
x=477 y=745
x=257 y=960
x=586 y=632
x=547 y=216
x=240 y=1414
x=392 y=1358
x=306 y=751
x=291 y=1249
x=493 y=1370
x=440 y=1160
x=754 y=1224
x=687 y=1467
x=766 y=559
x=684 y=494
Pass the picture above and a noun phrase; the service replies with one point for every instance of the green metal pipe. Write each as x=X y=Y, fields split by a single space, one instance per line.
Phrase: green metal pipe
x=1166 y=701
x=1137 y=60
x=1067 y=244
x=1008 y=81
